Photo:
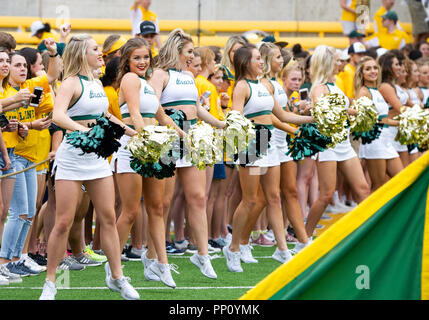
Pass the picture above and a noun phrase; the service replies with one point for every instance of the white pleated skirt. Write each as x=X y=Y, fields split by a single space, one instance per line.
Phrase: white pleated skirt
x=71 y=164
x=380 y=148
x=391 y=133
x=341 y=152
x=278 y=141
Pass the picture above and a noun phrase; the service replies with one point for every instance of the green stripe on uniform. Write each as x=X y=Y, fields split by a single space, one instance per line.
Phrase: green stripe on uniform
x=255 y=114
x=179 y=103
x=86 y=117
x=144 y=115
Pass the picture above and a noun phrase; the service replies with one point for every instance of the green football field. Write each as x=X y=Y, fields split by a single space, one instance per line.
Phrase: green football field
x=89 y=284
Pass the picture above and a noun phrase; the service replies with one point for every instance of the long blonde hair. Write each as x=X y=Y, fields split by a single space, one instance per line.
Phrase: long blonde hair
x=267 y=50
x=168 y=56
x=322 y=65
x=232 y=41
x=74 y=57
x=358 y=81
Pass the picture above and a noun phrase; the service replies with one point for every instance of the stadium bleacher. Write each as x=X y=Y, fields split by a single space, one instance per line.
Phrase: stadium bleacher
x=308 y=33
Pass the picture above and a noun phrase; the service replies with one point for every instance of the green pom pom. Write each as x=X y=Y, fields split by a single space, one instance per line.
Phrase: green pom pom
x=307 y=143
x=99 y=140
x=178 y=116
x=157 y=170
x=368 y=136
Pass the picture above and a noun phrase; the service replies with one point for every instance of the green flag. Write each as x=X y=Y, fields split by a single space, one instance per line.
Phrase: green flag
x=380 y=250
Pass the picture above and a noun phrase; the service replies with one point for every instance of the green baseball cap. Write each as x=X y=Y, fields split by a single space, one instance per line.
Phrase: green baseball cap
x=356 y=34
x=391 y=15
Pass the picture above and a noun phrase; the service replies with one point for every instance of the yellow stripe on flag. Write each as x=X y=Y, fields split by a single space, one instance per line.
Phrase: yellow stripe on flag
x=283 y=275
x=425 y=255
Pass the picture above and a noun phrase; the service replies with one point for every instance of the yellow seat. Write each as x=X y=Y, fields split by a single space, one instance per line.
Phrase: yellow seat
x=309 y=34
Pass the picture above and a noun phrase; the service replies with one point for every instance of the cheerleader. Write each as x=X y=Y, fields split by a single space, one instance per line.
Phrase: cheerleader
x=380 y=155
x=176 y=90
x=79 y=101
x=232 y=45
x=324 y=67
x=259 y=174
x=227 y=62
x=273 y=65
x=395 y=95
x=416 y=97
x=412 y=82
x=140 y=107
x=423 y=65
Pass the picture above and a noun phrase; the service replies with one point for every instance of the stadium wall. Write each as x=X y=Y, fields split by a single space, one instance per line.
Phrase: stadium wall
x=304 y=10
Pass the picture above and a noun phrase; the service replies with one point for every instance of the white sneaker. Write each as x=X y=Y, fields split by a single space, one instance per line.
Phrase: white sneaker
x=3 y=281
x=182 y=245
x=299 y=246
x=333 y=209
x=282 y=256
x=270 y=235
x=11 y=277
x=163 y=272
x=342 y=206
x=49 y=291
x=232 y=260
x=148 y=273
x=351 y=204
x=205 y=265
x=246 y=254
x=31 y=264
x=339 y=207
x=211 y=249
x=228 y=239
x=123 y=286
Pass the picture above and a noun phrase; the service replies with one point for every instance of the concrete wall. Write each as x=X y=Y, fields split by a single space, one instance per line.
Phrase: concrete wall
x=306 y=10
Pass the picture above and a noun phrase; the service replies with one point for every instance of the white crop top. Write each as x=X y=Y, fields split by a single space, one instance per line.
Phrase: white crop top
x=148 y=101
x=260 y=101
x=414 y=97
x=380 y=104
x=425 y=92
x=91 y=103
x=402 y=94
x=279 y=94
x=180 y=90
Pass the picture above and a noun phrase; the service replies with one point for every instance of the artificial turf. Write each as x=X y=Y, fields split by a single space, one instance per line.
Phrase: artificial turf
x=89 y=284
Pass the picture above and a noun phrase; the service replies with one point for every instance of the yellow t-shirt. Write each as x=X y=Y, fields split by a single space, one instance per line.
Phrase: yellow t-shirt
x=54 y=35
x=339 y=82
x=113 y=97
x=27 y=147
x=231 y=77
x=395 y=40
x=347 y=15
x=10 y=138
x=346 y=80
x=44 y=139
x=378 y=25
x=204 y=85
